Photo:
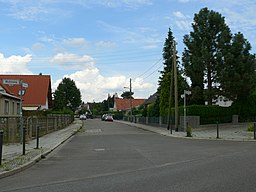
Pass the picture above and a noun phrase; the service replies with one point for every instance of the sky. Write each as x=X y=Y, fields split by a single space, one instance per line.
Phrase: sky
x=101 y=44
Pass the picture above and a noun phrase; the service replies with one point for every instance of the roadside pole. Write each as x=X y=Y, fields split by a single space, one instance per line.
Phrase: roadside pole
x=218 y=131
x=21 y=119
x=1 y=145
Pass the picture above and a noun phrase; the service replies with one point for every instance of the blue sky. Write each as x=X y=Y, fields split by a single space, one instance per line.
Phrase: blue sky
x=101 y=44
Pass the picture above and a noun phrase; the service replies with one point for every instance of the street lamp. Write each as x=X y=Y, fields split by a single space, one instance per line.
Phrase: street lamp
x=185 y=118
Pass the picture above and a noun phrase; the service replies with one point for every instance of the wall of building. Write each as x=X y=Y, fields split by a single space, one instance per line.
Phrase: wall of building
x=9 y=106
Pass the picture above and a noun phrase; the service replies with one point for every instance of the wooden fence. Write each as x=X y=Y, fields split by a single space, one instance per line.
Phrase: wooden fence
x=13 y=131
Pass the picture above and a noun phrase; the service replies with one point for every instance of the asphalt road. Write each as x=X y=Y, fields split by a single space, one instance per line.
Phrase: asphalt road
x=112 y=157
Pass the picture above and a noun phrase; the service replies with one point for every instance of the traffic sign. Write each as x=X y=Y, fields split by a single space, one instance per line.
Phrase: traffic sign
x=25 y=85
x=11 y=81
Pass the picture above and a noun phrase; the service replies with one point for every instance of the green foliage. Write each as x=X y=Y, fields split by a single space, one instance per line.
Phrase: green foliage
x=246 y=109
x=210 y=114
x=127 y=95
x=166 y=76
x=63 y=111
x=203 y=56
x=44 y=113
x=152 y=111
x=67 y=95
x=98 y=109
x=165 y=95
x=250 y=127
x=238 y=73
x=189 y=131
x=118 y=114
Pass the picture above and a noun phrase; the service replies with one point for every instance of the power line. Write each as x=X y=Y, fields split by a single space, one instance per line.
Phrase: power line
x=152 y=72
x=150 y=68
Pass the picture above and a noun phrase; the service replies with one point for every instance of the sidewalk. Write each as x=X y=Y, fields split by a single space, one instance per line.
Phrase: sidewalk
x=232 y=132
x=13 y=161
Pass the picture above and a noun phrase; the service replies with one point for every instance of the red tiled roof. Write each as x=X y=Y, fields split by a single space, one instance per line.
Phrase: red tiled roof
x=124 y=104
x=38 y=91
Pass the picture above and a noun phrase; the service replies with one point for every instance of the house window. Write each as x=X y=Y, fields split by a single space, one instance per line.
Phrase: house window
x=13 y=108
x=18 y=108
x=6 y=107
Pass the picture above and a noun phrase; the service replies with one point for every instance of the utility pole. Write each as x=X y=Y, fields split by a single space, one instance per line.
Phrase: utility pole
x=131 y=95
x=175 y=86
x=169 y=127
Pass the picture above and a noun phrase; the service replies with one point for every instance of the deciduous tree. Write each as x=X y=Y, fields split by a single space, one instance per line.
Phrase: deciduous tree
x=67 y=95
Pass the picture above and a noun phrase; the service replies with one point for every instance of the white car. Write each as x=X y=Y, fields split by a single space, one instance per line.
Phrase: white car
x=82 y=117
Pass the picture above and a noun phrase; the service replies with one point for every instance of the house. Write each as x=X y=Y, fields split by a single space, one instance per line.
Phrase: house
x=35 y=91
x=222 y=101
x=151 y=99
x=125 y=104
x=9 y=104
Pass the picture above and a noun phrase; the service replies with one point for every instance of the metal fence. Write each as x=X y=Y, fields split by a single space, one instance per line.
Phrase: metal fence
x=13 y=130
x=194 y=121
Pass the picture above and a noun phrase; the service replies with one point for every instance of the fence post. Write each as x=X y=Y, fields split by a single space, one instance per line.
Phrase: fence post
x=254 y=131
x=24 y=141
x=1 y=144
x=218 y=136
x=37 y=137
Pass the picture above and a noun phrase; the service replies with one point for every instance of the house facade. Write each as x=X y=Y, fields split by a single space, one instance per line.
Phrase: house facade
x=9 y=104
x=35 y=90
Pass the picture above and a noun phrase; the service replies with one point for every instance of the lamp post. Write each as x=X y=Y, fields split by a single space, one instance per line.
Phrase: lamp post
x=185 y=118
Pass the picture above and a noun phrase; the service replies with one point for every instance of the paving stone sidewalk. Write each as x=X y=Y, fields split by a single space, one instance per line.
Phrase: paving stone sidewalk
x=13 y=161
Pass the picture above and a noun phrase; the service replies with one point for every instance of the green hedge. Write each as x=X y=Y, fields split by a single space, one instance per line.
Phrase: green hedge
x=211 y=114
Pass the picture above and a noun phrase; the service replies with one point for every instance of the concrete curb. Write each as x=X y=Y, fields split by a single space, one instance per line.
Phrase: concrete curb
x=37 y=158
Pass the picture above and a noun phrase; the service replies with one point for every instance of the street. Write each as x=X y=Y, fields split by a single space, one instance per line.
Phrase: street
x=113 y=157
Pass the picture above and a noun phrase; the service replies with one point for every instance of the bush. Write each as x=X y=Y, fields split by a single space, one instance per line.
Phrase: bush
x=189 y=131
x=250 y=127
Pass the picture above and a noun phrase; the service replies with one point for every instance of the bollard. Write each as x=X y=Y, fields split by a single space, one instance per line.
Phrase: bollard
x=254 y=131
x=1 y=144
x=218 y=136
x=37 y=137
x=23 y=141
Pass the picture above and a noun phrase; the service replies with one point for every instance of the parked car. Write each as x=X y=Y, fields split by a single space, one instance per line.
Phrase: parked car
x=109 y=117
x=82 y=117
x=103 y=117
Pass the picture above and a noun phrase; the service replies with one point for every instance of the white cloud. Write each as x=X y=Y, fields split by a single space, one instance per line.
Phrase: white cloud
x=28 y=13
x=150 y=47
x=76 y=42
x=132 y=4
x=183 y=25
x=15 y=64
x=73 y=61
x=38 y=46
x=106 y=44
x=178 y=14
x=96 y=87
